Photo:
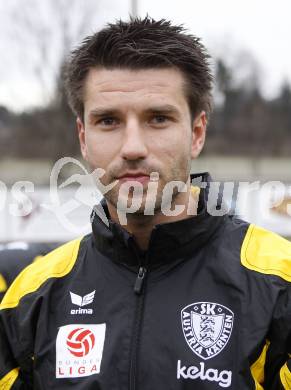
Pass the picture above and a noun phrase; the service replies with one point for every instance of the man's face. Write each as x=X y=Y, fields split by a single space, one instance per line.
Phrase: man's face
x=136 y=123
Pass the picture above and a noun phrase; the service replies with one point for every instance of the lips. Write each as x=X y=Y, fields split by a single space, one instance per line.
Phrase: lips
x=138 y=177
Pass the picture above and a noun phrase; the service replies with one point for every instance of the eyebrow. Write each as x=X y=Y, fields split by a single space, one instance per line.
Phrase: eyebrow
x=163 y=109
x=111 y=111
x=98 y=112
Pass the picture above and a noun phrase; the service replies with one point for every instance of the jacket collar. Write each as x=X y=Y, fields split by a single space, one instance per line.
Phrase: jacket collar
x=168 y=240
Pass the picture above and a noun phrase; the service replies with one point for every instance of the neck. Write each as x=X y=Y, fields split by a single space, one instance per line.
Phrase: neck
x=141 y=226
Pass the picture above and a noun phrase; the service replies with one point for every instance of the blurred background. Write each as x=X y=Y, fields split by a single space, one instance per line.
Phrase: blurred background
x=249 y=134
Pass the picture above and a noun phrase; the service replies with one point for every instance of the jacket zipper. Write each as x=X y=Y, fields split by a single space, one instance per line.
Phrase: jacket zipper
x=139 y=290
x=140 y=280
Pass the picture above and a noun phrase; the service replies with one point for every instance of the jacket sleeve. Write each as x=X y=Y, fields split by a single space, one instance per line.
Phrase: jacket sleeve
x=3 y=286
x=16 y=343
x=19 y=314
x=278 y=356
x=285 y=375
x=17 y=324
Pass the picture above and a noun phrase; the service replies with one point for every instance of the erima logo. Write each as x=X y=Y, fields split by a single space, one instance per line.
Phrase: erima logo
x=223 y=378
x=207 y=328
x=82 y=301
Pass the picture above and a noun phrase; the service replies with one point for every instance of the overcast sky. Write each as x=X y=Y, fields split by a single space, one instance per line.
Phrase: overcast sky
x=260 y=27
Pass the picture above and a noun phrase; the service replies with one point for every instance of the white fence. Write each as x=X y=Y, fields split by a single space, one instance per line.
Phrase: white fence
x=43 y=218
x=66 y=215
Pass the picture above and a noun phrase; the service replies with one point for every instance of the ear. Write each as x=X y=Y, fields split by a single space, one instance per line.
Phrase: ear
x=82 y=138
x=198 y=134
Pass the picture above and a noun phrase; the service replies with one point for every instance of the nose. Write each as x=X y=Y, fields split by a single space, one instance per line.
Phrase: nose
x=133 y=145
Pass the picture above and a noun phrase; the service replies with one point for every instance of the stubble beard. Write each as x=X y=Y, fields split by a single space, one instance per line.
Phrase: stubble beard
x=179 y=171
x=123 y=200
x=147 y=199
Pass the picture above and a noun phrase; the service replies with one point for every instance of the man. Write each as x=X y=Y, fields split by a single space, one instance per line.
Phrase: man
x=163 y=294
x=15 y=256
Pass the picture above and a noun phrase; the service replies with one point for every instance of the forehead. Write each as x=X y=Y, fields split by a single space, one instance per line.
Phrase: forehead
x=124 y=86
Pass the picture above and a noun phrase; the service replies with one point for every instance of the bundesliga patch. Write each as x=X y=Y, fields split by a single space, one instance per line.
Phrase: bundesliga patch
x=207 y=328
x=79 y=350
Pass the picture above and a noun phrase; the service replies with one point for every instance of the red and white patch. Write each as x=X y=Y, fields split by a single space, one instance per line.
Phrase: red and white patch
x=79 y=350
x=80 y=342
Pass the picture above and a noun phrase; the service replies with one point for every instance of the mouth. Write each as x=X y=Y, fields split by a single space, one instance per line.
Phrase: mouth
x=139 y=177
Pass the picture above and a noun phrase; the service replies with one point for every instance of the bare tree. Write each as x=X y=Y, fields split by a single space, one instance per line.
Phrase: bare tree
x=40 y=34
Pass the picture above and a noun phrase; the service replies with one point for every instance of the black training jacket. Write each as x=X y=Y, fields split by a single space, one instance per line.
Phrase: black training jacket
x=206 y=307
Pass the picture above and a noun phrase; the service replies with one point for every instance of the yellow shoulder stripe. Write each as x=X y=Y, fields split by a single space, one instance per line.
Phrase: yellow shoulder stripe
x=55 y=264
x=257 y=368
x=3 y=284
x=7 y=382
x=266 y=252
x=285 y=376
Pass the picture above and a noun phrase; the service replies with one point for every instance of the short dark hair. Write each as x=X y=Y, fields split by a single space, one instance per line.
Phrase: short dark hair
x=142 y=44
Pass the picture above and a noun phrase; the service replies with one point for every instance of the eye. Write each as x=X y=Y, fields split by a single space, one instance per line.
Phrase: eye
x=159 y=119
x=107 y=121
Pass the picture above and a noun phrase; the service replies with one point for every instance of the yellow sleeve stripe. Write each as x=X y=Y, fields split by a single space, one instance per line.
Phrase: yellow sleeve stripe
x=7 y=382
x=285 y=376
x=55 y=264
x=37 y=258
x=266 y=252
x=257 y=368
x=3 y=284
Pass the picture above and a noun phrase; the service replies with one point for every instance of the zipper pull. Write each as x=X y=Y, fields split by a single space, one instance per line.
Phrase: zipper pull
x=139 y=280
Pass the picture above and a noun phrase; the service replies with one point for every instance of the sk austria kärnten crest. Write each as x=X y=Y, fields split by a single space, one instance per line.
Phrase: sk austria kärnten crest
x=207 y=328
